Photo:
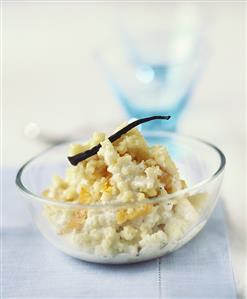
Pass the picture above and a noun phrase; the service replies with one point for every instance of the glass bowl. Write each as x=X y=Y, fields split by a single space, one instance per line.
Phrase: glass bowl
x=200 y=163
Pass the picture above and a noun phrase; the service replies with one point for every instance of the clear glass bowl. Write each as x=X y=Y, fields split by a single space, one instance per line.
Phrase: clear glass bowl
x=200 y=163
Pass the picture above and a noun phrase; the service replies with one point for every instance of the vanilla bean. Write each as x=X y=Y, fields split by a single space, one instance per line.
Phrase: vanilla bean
x=74 y=160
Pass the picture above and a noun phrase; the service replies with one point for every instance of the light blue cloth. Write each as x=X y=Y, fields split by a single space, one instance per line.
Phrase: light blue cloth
x=35 y=269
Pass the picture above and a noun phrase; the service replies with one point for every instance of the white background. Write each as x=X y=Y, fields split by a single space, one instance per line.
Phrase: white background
x=51 y=79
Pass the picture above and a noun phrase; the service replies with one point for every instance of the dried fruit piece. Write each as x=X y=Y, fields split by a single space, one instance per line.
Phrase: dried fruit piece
x=132 y=213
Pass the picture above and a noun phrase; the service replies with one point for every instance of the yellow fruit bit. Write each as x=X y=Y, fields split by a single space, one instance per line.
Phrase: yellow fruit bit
x=107 y=187
x=151 y=193
x=85 y=196
x=76 y=221
x=125 y=214
x=69 y=194
x=45 y=193
x=169 y=188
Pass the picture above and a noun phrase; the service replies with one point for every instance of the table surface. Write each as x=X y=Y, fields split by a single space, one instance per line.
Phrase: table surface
x=51 y=79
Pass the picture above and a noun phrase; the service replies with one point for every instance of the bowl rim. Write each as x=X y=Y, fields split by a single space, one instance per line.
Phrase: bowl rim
x=181 y=193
